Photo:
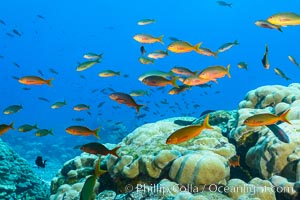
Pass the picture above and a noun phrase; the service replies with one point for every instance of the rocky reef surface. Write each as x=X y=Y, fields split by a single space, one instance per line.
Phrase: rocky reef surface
x=200 y=168
x=18 y=181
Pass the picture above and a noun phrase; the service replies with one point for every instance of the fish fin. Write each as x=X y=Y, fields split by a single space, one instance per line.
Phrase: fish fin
x=138 y=107
x=197 y=46
x=160 y=39
x=114 y=151
x=279 y=28
x=173 y=82
x=49 y=82
x=227 y=69
x=98 y=170
x=236 y=42
x=216 y=53
x=51 y=131
x=206 y=124
x=118 y=73
x=12 y=125
x=65 y=102
x=35 y=126
x=96 y=132
x=167 y=52
x=283 y=116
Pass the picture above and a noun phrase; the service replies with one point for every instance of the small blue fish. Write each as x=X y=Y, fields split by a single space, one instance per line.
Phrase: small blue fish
x=279 y=133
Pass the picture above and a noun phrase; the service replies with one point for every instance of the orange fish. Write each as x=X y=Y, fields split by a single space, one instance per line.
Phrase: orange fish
x=124 y=98
x=83 y=131
x=188 y=132
x=195 y=80
x=266 y=119
x=34 y=80
x=159 y=81
x=4 y=128
x=234 y=161
x=214 y=72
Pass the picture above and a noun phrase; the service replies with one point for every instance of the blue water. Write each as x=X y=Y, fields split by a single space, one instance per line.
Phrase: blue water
x=72 y=28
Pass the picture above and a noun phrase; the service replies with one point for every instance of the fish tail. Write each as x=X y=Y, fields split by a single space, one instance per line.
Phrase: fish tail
x=160 y=39
x=279 y=28
x=96 y=132
x=228 y=73
x=51 y=131
x=236 y=42
x=12 y=125
x=114 y=151
x=206 y=124
x=283 y=116
x=49 y=82
x=167 y=52
x=197 y=46
x=35 y=126
x=216 y=53
x=173 y=82
x=65 y=102
x=138 y=107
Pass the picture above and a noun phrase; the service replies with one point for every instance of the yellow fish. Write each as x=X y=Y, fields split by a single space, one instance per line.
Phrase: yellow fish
x=266 y=119
x=147 y=39
x=285 y=19
x=183 y=47
x=188 y=132
x=213 y=72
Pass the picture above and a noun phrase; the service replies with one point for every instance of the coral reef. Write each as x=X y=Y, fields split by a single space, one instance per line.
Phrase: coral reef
x=17 y=178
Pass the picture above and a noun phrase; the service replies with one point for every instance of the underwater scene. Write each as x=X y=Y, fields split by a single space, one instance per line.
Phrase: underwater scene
x=145 y=100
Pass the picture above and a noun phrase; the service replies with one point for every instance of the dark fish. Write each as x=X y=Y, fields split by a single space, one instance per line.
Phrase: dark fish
x=117 y=123
x=206 y=112
x=95 y=90
x=15 y=77
x=89 y=113
x=141 y=116
x=265 y=60
x=279 y=133
x=53 y=71
x=16 y=32
x=43 y=99
x=40 y=162
x=83 y=77
x=204 y=85
x=100 y=104
x=97 y=148
x=125 y=75
x=173 y=39
x=40 y=72
x=142 y=49
x=2 y=22
x=16 y=64
x=26 y=88
x=10 y=35
x=223 y=3
x=196 y=106
x=78 y=119
x=40 y=16
x=110 y=89
x=183 y=122
x=1 y=56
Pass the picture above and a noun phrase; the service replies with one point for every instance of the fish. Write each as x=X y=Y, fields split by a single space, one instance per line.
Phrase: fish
x=83 y=131
x=279 y=133
x=227 y=46
x=81 y=76
x=143 y=50
x=143 y=22
x=155 y=73
x=58 y=104
x=173 y=39
x=43 y=99
x=43 y=132
x=223 y=3
x=214 y=72
x=285 y=19
x=188 y=132
x=158 y=54
x=87 y=191
x=98 y=148
x=234 y=161
x=145 y=60
x=35 y=80
x=265 y=60
x=183 y=47
x=159 y=81
x=293 y=60
x=78 y=119
x=266 y=24
x=147 y=39
x=81 y=107
x=126 y=99
x=40 y=162
x=177 y=90
x=281 y=74
x=207 y=52
x=53 y=71
x=5 y=127
x=17 y=32
x=2 y=22
x=40 y=16
x=85 y=65
x=195 y=80
x=183 y=122
x=12 y=109
x=40 y=72
x=27 y=127
x=109 y=73
x=242 y=65
x=92 y=56
x=266 y=119
x=100 y=104
x=183 y=71
x=137 y=93
x=26 y=88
